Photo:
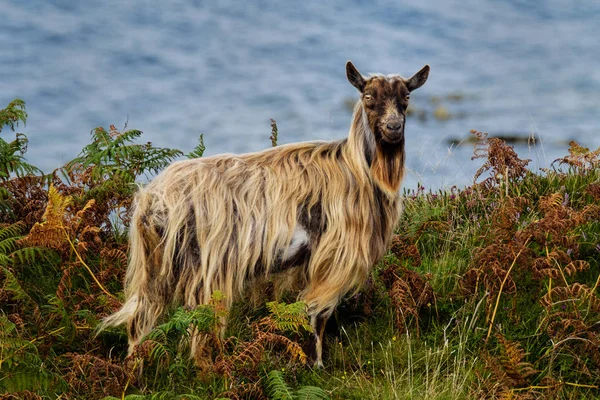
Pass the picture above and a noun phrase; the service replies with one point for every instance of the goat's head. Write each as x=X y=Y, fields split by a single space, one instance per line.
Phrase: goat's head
x=385 y=100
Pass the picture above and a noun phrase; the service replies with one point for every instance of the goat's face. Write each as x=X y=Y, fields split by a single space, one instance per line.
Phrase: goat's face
x=385 y=100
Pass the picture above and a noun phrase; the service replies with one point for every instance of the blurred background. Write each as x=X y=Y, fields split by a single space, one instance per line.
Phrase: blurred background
x=521 y=69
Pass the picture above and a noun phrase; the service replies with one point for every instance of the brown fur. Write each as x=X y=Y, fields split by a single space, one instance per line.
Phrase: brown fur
x=220 y=223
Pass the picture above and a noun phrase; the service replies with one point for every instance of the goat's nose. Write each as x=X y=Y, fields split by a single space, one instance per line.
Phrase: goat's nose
x=394 y=126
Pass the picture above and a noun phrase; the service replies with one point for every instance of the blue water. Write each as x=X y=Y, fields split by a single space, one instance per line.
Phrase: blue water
x=223 y=68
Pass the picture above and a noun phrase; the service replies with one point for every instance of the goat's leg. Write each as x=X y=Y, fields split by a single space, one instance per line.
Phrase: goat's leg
x=203 y=343
x=315 y=349
x=142 y=321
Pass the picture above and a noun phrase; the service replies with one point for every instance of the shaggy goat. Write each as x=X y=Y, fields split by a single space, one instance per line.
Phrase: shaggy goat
x=327 y=209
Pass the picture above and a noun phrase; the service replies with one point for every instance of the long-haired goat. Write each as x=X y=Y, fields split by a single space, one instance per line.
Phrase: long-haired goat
x=325 y=208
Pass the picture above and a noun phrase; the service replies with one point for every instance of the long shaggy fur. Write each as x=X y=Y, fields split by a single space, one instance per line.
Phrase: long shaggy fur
x=218 y=223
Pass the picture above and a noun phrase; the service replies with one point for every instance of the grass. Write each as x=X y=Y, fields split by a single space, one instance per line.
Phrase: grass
x=491 y=291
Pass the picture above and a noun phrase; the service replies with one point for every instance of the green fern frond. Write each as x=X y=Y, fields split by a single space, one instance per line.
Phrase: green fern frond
x=160 y=353
x=311 y=392
x=56 y=306
x=113 y=154
x=20 y=365
x=171 y=339
x=289 y=317
x=7 y=245
x=189 y=397
x=5 y=202
x=129 y=397
x=198 y=150
x=12 y=160
x=11 y=285
x=278 y=387
x=13 y=114
x=30 y=255
x=11 y=231
x=201 y=318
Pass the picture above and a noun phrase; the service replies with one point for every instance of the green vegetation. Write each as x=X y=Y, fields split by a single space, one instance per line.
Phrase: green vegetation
x=491 y=291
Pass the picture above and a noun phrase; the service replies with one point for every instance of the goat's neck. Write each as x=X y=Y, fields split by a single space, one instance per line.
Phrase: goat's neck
x=385 y=162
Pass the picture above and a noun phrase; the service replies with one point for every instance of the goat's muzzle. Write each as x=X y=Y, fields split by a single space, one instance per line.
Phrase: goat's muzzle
x=393 y=131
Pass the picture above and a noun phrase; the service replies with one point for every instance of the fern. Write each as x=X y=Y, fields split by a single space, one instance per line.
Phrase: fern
x=13 y=114
x=163 y=395
x=169 y=341
x=289 y=317
x=5 y=202
x=167 y=347
x=198 y=150
x=29 y=255
x=311 y=392
x=278 y=389
x=112 y=155
x=201 y=318
x=9 y=235
x=21 y=368
x=12 y=159
x=12 y=286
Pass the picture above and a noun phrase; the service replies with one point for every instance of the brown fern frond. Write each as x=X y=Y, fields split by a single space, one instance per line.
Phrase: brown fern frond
x=552 y=202
x=292 y=348
x=577 y=266
x=89 y=375
x=489 y=268
x=509 y=369
x=409 y=292
x=18 y=321
x=542 y=266
x=22 y=395
x=27 y=202
x=581 y=157
x=249 y=354
x=88 y=207
x=47 y=235
x=552 y=230
x=52 y=232
x=551 y=264
x=576 y=293
x=66 y=283
x=114 y=254
x=501 y=160
x=593 y=190
x=404 y=249
x=239 y=391
x=505 y=219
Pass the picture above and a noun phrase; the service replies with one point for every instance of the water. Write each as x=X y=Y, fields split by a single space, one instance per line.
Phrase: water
x=178 y=69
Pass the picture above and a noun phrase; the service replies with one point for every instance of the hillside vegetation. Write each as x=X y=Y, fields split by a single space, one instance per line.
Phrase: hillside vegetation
x=491 y=291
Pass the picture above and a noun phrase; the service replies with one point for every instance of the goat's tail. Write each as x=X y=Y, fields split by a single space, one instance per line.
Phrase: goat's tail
x=144 y=256
x=124 y=315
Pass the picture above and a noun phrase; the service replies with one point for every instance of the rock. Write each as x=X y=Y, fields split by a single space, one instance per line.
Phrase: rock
x=441 y=113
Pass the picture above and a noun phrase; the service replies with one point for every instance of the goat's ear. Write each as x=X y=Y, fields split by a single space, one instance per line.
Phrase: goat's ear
x=418 y=79
x=355 y=78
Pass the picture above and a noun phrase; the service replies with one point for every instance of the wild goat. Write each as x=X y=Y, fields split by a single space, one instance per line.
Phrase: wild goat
x=326 y=209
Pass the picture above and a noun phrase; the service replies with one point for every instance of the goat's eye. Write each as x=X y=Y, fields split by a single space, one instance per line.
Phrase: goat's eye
x=368 y=98
x=407 y=98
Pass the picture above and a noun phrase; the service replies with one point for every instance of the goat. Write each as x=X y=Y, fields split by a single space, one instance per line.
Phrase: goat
x=326 y=209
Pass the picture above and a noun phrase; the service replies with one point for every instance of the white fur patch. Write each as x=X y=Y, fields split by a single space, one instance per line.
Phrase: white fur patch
x=299 y=239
